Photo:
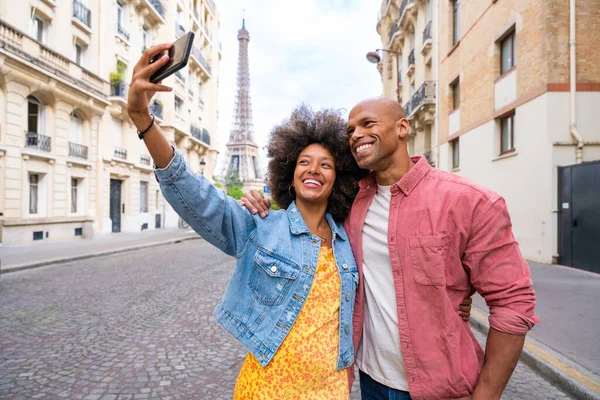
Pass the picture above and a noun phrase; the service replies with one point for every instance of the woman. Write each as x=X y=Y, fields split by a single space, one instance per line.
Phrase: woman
x=290 y=299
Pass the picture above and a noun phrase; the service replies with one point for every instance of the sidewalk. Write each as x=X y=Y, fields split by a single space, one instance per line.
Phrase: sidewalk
x=563 y=347
x=17 y=258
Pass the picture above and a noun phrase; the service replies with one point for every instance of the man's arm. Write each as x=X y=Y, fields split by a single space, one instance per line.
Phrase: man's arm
x=500 y=274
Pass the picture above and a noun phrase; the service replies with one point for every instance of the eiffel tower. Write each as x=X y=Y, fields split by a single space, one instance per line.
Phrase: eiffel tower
x=242 y=151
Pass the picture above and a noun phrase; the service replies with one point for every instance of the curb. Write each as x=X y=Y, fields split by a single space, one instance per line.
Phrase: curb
x=573 y=379
x=52 y=261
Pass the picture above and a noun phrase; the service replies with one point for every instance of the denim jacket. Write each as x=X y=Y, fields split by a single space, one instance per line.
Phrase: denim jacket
x=276 y=262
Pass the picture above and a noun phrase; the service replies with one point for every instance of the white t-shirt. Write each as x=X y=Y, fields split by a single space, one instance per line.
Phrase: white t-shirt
x=379 y=354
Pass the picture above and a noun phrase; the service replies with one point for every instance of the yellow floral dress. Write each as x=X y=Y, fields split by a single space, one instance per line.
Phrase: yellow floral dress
x=304 y=366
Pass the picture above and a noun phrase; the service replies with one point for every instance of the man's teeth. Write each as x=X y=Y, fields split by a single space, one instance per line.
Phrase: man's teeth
x=363 y=147
x=313 y=182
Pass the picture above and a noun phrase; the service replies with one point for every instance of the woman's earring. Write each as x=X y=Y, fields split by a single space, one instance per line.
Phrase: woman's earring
x=290 y=190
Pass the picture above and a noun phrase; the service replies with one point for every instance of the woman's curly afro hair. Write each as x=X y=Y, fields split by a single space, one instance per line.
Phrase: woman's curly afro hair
x=303 y=128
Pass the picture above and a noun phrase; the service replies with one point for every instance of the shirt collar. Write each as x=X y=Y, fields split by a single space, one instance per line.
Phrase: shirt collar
x=298 y=226
x=407 y=183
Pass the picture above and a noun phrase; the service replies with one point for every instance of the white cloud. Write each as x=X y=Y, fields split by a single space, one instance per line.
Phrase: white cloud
x=310 y=51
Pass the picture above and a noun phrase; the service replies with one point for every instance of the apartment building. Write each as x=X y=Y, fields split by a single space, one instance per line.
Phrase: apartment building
x=515 y=110
x=71 y=164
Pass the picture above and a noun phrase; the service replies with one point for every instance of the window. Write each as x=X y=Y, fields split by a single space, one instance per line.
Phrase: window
x=455 y=88
x=507 y=53
x=507 y=132
x=178 y=106
x=78 y=231
x=455 y=21
x=35 y=115
x=76 y=129
x=428 y=11
x=39 y=29
x=34 y=181
x=412 y=41
x=74 y=194
x=455 y=153
x=38 y=235
x=120 y=14
x=79 y=51
x=117 y=132
x=412 y=89
x=145 y=37
x=143 y=197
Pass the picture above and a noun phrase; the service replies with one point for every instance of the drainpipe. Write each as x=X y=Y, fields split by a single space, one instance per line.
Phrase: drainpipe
x=436 y=60
x=573 y=78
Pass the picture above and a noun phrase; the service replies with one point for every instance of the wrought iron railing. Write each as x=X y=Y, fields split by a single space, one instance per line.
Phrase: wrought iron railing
x=196 y=53
x=120 y=153
x=38 y=141
x=158 y=7
x=201 y=101
x=394 y=29
x=156 y=108
x=405 y=3
x=205 y=136
x=82 y=13
x=179 y=30
x=179 y=75
x=411 y=57
x=196 y=132
x=407 y=108
x=424 y=95
x=118 y=89
x=191 y=92
x=78 y=150
x=146 y=160
x=427 y=32
x=121 y=31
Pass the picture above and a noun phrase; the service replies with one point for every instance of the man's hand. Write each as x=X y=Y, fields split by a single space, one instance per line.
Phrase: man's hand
x=464 y=310
x=256 y=203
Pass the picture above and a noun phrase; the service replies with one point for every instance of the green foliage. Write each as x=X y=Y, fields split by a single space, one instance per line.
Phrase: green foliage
x=274 y=206
x=235 y=192
x=233 y=180
x=116 y=78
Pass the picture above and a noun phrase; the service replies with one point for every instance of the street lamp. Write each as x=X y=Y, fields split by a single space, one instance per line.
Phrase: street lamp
x=375 y=58
x=202 y=166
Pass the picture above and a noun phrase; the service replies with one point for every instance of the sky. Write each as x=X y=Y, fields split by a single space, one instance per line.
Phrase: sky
x=310 y=51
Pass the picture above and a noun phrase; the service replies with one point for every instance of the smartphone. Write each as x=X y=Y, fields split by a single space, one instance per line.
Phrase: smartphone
x=179 y=54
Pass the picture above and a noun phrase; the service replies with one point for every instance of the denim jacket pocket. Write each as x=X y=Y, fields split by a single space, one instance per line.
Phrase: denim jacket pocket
x=271 y=278
x=427 y=256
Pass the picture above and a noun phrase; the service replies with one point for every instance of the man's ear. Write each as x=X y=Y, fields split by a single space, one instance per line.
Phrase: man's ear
x=402 y=127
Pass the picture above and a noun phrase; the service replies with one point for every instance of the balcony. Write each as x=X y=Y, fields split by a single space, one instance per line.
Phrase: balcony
x=406 y=7
x=23 y=48
x=393 y=32
x=122 y=32
x=118 y=89
x=205 y=136
x=179 y=30
x=425 y=95
x=82 y=13
x=180 y=76
x=426 y=49
x=407 y=109
x=145 y=160
x=78 y=150
x=37 y=141
x=411 y=63
x=156 y=9
x=196 y=132
x=199 y=59
x=120 y=153
x=201 y=102
x=156 y=108
x=191 y=93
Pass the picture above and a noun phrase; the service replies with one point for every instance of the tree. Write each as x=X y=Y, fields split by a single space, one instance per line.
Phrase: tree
x=233 y=180
x=235 y=192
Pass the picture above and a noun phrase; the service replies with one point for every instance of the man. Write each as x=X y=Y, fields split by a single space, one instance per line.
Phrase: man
x=424 y=239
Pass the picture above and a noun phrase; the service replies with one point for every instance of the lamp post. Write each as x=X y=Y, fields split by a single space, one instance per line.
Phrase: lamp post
x=375 y=58
x=202 y=166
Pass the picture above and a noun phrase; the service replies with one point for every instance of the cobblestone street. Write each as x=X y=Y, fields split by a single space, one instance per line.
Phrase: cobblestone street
x=136 y=325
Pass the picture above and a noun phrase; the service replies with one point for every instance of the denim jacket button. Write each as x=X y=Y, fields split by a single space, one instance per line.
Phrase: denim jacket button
x=346 y=330
x=274 y=268
x=345 y=266
x=347 y=297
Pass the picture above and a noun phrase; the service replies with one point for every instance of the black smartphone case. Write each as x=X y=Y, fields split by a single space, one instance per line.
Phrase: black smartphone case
x=168 y=70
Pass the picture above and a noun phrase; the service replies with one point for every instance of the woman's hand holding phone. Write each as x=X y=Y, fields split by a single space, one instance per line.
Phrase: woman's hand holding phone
x=141 y=90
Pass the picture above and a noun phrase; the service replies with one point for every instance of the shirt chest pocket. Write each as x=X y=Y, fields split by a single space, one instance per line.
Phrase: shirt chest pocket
x=271 y=278
x=427 y=255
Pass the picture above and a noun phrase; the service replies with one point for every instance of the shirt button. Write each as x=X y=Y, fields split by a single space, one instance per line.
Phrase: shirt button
x=274 y=268
x=293 y=210
x=347 y=297
x=345 y=266
x=346 y=330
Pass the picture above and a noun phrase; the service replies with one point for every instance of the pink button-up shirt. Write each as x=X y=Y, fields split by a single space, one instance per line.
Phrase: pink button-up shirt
x=447 y=237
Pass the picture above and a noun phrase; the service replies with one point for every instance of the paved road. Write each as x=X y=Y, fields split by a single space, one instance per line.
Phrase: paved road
x=136 y=325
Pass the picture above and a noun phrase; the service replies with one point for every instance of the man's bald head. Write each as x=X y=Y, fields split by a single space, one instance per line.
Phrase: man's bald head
x=388 y=107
